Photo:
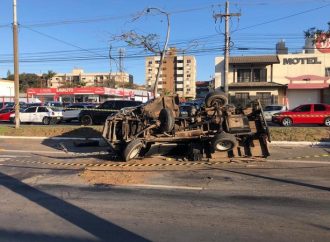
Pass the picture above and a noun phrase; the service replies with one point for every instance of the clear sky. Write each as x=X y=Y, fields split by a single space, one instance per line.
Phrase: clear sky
x=59 y=35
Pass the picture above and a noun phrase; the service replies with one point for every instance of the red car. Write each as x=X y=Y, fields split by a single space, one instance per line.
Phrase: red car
x=304 y=114
x=5 y=114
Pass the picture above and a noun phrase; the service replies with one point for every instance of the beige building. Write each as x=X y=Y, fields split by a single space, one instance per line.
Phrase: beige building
x=290 y=79
x=79 y=77
x=178 y=74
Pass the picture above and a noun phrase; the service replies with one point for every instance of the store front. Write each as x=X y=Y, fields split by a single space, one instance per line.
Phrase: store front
x=87 y=94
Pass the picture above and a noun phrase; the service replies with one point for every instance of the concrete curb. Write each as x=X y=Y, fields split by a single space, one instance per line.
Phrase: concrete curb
x=299 y=143
x=273 y=143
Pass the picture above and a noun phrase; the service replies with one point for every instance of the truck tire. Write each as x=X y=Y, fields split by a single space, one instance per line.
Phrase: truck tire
x=86 y=120
x=132 y=150
x=224 y=142
x=217 y=97
x=166 y=119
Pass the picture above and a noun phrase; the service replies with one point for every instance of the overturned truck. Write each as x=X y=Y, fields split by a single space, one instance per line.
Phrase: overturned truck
x=214 y=127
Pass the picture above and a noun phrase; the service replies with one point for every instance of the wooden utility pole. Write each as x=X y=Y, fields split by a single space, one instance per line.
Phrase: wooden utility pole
x=16 y=69
x=121 y=69
x=227 y=17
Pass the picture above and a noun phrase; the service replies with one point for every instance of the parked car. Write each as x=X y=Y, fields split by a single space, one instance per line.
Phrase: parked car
x=304 y=114
x=55 y=105
x=10 y=104
x=271 y=109
x=100 y=114
x=42 y=114
x=71 y=112
x=5 y=114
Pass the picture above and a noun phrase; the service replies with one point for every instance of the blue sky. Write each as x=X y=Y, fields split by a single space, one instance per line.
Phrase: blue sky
x=62 y=34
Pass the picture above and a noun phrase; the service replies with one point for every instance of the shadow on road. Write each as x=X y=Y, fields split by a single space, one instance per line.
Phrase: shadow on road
x=18 y=236
x=99 y=227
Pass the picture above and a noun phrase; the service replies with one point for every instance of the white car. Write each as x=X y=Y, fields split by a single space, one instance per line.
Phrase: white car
x=270 y=110
x=42 y=114
x=72 y=112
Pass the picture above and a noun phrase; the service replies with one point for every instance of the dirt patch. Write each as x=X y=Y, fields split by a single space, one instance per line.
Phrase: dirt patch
x=116 y=177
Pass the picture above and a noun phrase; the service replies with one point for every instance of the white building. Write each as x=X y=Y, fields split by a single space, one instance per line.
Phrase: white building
x=79 y=77
x=6 y=88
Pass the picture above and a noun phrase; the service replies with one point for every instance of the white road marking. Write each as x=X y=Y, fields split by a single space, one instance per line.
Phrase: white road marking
x=152 y=186
x=14 y=156
x=34 y=151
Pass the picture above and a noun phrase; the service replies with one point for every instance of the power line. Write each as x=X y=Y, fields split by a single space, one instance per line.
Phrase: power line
x=285 y=17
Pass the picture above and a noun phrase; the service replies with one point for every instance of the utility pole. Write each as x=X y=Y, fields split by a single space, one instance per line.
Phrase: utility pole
x=121 y=57
x=16 y=70
x=226 y=16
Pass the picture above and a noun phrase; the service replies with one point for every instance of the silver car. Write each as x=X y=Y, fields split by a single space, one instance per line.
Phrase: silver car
x=270 y=110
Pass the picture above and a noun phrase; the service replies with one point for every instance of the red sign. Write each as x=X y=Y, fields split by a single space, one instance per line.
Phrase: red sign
x=87 y=90
x=323 y=44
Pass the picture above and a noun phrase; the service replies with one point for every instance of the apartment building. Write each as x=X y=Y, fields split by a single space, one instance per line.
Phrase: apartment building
x=79 y=78
x=178 y=74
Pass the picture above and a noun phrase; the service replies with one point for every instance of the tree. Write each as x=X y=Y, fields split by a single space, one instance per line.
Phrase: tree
x=46 y=78
x=8 y=73
x=149 y=42
x=27 y=80
x=320 y=37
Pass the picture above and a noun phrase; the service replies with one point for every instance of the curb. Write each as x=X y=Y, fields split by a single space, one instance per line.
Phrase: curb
x=299 y=143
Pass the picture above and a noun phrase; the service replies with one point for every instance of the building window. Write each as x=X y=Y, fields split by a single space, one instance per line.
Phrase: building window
x=179 y=89
x=243 y=75
x=179 y=61
x=188 y=61
x=179 y=68
x=241 y=98
x=242 y=95
x=150 y=62
x=265 y=98
x=188 y=75
x=327 y=71
x=252 y=75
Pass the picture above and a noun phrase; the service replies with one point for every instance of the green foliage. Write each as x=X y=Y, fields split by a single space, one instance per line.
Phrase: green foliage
x=31 y=80
x=318 y=34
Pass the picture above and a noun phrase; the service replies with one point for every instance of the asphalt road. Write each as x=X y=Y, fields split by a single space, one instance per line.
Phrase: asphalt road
x=278 y=200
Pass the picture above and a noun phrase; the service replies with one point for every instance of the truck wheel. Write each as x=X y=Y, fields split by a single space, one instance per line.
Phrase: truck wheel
x=132 y=150
x=286 y=122
x=327 y=122
x=166 y=119
x=46 y=121
x=224 y=142
x=217 y=97
x=86 y=120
